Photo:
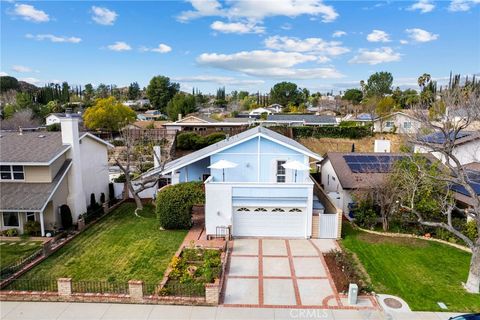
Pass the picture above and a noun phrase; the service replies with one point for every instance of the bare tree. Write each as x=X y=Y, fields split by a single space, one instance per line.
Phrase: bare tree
x=136 y=152
x=448 y=130
x=21 y=119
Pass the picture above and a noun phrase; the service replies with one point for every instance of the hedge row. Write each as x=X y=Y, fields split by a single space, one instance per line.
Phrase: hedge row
x=332 y=132
x=194 y=141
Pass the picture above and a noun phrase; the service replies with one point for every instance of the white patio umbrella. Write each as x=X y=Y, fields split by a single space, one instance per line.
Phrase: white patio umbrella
x=296 y=165
x=223 y=164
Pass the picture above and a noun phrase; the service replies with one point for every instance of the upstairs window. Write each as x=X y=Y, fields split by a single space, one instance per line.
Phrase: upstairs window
x=281 y=176
x=11 y=173
x=389 y=124
x=407 y=125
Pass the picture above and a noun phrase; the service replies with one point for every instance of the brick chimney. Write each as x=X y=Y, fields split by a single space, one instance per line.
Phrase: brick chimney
x=76 y=199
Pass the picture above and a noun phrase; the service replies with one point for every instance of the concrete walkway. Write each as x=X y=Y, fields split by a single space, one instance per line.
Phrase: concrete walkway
x=98 y=311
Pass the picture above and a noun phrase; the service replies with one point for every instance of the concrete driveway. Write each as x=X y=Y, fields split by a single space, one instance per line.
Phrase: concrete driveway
x=282 y=273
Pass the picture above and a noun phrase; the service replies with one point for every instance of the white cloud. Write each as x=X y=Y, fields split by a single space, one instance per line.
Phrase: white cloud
x=378 y=36
x=220 y=80
x=3 y=74
x=462 y=5
x=161 y=48
x=376 y=56
x=29 y=13
x=267 y=63
x=31 y=80
x=119 y=46
x=424 y=6
x=286 y=26
x=254 y=10
x=53 y=38
x=236 y=27
x=21 y=69
x=403 y=41
x=314 y=45
x=420 y=35
x=338 y=34
x=103 y=16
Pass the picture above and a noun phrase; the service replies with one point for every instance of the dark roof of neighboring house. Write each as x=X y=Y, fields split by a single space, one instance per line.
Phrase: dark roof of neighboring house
x=307 y=118
x=459 y=138
x=23 y=196
x=358 y=172
x=30 y=146
x=473 y=173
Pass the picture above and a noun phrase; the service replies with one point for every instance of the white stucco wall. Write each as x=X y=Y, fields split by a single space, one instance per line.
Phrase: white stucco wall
x=465 y=153
x=331 y=183
x=94 y=163
x=218 y=206
x=399 y=121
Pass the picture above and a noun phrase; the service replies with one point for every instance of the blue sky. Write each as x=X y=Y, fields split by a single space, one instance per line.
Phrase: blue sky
x=246 y=44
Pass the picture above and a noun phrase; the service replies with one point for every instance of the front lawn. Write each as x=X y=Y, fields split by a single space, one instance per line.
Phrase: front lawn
x=119 y=248
x=13 y=251
x=419 y=271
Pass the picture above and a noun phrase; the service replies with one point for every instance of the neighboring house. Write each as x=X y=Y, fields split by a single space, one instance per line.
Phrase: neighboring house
x=150 y=115
x=300 y=120
x=41 y=171
x=205 y=124
x=344 y=174
x=402 y=122
x=275 y=108
x=259 y=112
x=258 y=197
x=466 y=146
x=141 y=103
x=53 y=118
x=461 y=195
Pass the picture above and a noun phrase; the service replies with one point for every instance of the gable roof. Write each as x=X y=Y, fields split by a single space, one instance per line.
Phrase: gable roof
x=230 y=142
x=352 y=179
x=196 y=119
x=36 y=147
x=306 y=118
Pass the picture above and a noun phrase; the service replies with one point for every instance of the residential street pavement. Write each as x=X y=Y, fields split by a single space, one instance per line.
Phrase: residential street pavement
x=103 y=311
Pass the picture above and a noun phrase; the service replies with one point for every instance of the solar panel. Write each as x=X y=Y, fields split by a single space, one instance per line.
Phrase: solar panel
x=370 y=163
x=439 y=137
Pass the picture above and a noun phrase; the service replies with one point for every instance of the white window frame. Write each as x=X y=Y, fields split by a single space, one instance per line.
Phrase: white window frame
x=11 y=172
x=389 y=124
x=407 y=125
x=28 y=214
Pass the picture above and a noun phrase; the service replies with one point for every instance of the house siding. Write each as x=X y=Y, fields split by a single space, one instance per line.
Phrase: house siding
x=94 y=162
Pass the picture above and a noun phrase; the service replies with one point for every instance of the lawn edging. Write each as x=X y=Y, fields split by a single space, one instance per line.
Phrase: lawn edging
x=413 y=236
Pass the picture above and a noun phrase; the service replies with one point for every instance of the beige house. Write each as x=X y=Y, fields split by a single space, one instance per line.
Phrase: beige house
x=41 y=171
x=402 y=122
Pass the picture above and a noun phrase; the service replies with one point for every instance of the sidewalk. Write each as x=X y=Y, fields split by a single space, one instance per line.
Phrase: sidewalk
x=96 y=311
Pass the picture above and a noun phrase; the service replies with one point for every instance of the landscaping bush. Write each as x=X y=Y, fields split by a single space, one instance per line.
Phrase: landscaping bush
x=31 y=228
x=10 y=232
x=118 y=143
x=54 y=127
x=66 y=216
x=121 y=178
x=111 y=193
x=351 y=132
x=365 y=215
x=145 y=166
x=102 y=198
x=174 y=204
x=194 y=141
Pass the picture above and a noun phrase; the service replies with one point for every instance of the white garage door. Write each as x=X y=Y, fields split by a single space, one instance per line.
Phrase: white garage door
x=269 y=222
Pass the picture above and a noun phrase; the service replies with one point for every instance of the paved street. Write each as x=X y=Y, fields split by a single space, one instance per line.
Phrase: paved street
x=97 y=311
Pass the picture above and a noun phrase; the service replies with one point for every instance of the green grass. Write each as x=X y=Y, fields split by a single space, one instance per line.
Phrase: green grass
x=10 y=253
x=419 y=271
x=120 y=247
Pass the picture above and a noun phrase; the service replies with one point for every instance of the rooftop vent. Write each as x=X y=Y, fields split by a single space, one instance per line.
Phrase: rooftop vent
x=42 y=136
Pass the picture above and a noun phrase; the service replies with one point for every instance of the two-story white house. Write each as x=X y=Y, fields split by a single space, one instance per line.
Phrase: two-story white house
x=259 y=196
x=41 y=171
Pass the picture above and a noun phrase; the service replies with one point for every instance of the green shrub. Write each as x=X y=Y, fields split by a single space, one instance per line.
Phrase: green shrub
x=66 y=216
x=194 y=141
x=365 y=215
x=174 y=204
x=471 y=230
x=31 y=228
x=118 y=143
x=11 y=232
x=121 y=178
x=351 y=132
x=187 y=140
x=54 y=127
x=145 y=166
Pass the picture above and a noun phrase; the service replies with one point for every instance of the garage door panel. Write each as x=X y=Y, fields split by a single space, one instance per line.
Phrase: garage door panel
x=269 y=224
